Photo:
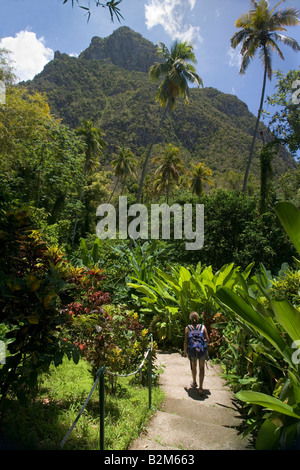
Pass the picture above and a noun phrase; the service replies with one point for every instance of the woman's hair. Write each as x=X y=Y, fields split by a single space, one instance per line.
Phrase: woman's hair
x=194 y=317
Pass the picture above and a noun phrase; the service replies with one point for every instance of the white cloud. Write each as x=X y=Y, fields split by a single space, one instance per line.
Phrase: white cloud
x=235 y=57
x=192 y=3
x=171 y=15
x=28 y=52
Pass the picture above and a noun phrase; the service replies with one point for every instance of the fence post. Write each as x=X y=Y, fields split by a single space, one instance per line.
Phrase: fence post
x=149 y=376
x=101 y=405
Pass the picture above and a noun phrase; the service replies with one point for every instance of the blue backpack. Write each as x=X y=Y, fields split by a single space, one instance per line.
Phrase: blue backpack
x=196 y=340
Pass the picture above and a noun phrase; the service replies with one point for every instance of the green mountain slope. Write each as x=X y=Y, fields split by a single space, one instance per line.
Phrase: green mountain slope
x=109 y=84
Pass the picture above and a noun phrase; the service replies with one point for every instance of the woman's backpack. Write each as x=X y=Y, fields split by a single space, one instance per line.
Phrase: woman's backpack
x=196 y=340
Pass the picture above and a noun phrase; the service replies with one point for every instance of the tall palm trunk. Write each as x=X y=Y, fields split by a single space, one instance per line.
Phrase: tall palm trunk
x=80 y=197
x=168 y=189
x=149 y=151
x=113 y=190
x=255 y=130
x=123 y=185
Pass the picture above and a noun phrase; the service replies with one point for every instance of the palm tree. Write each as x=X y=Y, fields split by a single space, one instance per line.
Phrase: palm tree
x=94 y=145
x=198 y=177
x=149 y=190
x=260 y=31
x=176 y=71
x=124 y=164
x=170 y=167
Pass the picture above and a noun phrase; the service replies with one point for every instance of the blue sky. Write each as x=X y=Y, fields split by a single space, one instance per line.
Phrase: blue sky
x=34 y=29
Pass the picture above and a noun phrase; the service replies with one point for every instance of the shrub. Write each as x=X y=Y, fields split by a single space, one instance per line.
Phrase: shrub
x=31 y=282
x=110 y=336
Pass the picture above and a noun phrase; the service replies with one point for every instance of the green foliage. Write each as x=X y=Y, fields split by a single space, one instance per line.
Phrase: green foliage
x=171 y=296
x=266 y=173
x=287 y=286
x=7 y=74
x=41 y=161
x=32 y=289
x=289 y=217
x=278 y=322
x=285 y=123
x=112 y=6
x=234 y=232
x=144 y=258
x=92 y=257
x=111 y=336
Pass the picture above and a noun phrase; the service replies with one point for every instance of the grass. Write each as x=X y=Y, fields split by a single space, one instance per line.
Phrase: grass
x=62 y=392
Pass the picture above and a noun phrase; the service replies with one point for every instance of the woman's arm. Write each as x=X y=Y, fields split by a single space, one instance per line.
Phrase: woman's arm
x=186 y=336
x=206 y=335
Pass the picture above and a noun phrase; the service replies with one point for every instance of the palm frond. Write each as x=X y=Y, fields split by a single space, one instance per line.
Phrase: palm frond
x=287 y=17
x=288 y=41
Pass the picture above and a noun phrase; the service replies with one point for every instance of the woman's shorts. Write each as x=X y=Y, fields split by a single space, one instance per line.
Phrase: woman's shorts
x=198 y=356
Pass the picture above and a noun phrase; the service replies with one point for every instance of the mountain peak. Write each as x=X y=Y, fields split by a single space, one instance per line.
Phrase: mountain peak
x=124 y=48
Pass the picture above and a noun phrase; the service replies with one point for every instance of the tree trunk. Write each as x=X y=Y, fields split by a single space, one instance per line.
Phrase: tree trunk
x=168 y=189
x=149 y=152
x=255 y=131
x=123 y=186
x=80 y=197
x=113 y=190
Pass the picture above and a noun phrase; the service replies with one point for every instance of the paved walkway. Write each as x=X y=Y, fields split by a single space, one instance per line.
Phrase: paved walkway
x=187 y=421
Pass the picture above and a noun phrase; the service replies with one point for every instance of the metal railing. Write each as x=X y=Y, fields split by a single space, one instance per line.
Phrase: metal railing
x=100 y=378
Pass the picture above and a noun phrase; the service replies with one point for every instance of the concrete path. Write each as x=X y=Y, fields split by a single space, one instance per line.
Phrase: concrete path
x=188 y=421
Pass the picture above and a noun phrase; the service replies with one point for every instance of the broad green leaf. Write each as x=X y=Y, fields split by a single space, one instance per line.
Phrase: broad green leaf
x=296 y=387
x=34 y=282
x=262 y=324
x=248 y=270
x=288 y=317
x=185 y=275
x=48 y=299
x=290 y=434
x=266 y=401
x=75 y=356
x=268 y=436
x=95 y=253
x=148 y=300
x=172 y=310
x=34 y=319
x=143 y=289
x=224 y=274
x=170 y=280
x=289 y=216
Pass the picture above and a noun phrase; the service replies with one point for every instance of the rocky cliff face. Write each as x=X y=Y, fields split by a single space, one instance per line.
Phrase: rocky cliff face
x=124 y=48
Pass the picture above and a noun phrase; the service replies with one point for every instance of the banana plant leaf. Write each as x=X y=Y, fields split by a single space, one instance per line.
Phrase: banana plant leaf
x=263 y=324
x=267 y=401
x=289 y=216
x=289 y=318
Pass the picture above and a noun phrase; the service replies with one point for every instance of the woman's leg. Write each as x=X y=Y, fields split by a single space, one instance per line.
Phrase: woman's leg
x=201 y=374
x=194 y=371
